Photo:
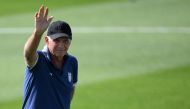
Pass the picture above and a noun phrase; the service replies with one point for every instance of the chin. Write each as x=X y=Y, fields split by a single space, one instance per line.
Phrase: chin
x=60 y=54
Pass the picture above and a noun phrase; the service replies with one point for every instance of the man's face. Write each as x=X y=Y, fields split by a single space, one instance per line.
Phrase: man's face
x=58 y=47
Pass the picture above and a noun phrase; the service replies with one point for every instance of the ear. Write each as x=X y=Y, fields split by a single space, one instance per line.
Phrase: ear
x=46 y=40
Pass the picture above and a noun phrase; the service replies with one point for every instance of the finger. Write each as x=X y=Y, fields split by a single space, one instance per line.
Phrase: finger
x=36 y=14
x=50 y=19
x=41 y=11
x=46 y=13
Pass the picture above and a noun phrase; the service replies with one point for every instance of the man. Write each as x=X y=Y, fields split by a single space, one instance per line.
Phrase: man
x=51 y=74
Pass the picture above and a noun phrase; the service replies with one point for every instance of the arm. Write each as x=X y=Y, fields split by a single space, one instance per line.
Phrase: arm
x=41 y=24
x=75 y=77
x=73 y=92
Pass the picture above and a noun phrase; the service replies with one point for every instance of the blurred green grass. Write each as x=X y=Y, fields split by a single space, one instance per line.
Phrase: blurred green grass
x=128 y=70
x=163 y=89
x=162 y=13
x=24 y=6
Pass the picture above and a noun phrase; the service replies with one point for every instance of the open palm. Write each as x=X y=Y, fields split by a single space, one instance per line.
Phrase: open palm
x=42 y=20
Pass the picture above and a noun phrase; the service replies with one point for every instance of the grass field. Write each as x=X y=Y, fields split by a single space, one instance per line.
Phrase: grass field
x=132 y=70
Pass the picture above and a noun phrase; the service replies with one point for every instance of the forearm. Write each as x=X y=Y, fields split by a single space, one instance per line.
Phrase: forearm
x=31 y=46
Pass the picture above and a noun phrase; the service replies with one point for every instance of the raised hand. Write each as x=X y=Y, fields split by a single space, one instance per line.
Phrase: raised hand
x=42 y=20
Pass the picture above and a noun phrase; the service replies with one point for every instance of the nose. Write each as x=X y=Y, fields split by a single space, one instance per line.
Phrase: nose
x=62 y=44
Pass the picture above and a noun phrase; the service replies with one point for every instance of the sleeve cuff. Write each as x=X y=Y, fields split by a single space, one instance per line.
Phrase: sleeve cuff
x=34 y=63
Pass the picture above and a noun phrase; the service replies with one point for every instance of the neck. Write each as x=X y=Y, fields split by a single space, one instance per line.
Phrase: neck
x=57 y=61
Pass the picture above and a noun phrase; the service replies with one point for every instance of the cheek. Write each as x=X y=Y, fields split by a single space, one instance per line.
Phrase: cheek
x=51 y=46
x=66 y=47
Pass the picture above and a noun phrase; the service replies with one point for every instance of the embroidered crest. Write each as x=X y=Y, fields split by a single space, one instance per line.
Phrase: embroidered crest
x=69 y=77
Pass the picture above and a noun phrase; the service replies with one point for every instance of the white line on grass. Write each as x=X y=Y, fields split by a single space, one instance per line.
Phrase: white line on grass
x=26 y=30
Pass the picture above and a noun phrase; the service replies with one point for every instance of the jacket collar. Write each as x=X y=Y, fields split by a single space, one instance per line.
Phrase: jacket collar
x=47 y=53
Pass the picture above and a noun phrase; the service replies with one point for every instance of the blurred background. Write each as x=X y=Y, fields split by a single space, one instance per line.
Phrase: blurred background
x=133 y=54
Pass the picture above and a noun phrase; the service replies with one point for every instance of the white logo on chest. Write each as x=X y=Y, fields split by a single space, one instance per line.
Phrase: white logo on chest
x=69 y=77
x=50 y=74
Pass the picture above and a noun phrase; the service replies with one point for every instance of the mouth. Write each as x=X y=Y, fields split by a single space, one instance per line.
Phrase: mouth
x=60 y=51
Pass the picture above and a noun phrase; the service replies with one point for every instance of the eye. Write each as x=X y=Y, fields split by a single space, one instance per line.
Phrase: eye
x=62 y=40
x=56 y=40
x=66 y=41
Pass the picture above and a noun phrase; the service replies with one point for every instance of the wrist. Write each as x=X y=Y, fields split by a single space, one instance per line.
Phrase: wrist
x=37 y=33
